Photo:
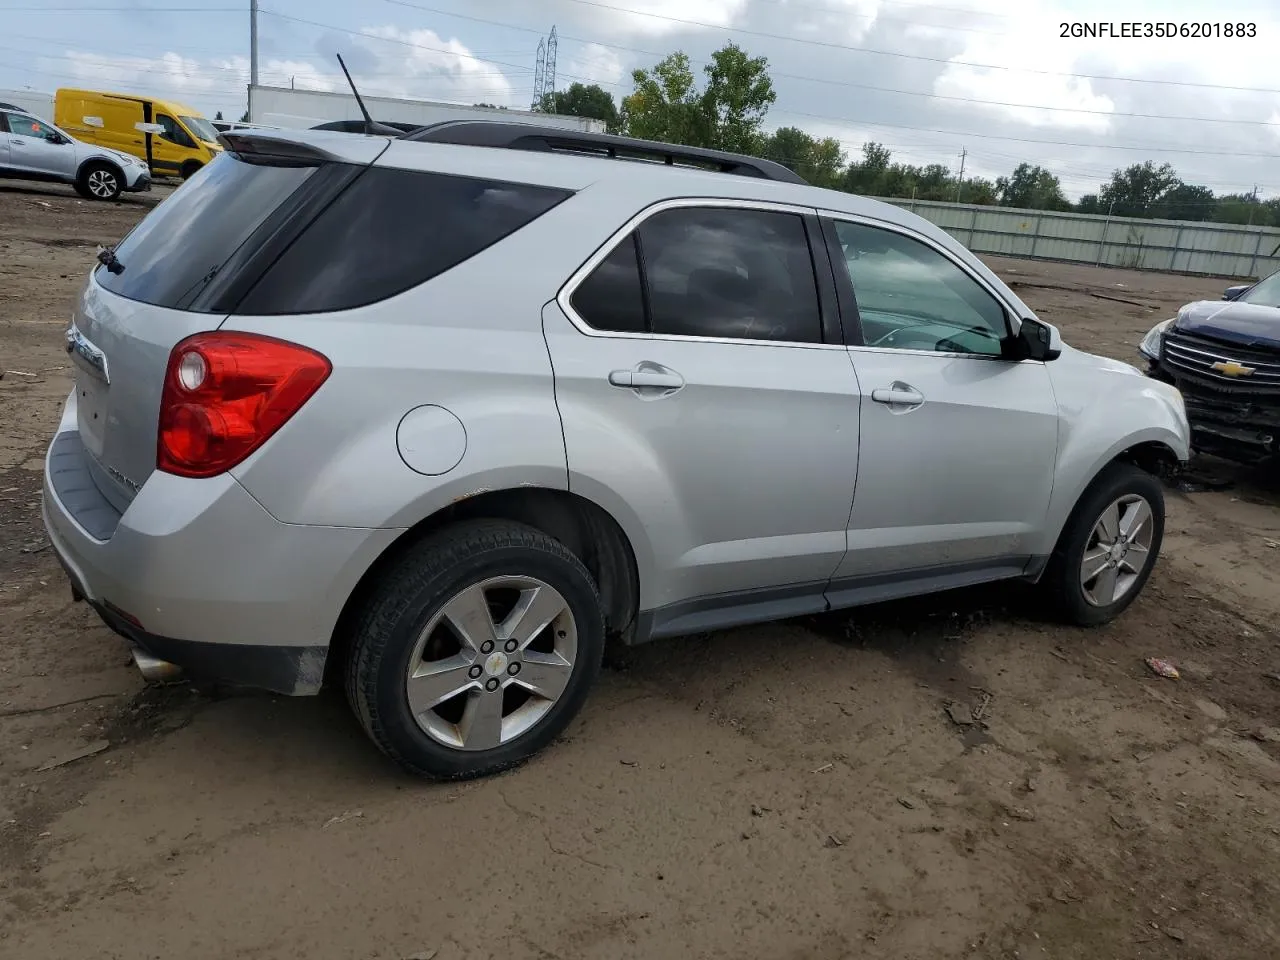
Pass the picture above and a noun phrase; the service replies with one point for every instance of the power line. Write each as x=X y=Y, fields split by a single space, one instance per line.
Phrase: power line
x=812 y=116
x=848 y=83
x=1054 y=143
x=47 y=9
x=914 y=56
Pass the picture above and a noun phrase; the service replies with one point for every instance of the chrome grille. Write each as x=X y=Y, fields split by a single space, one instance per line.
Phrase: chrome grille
x=1195 y=358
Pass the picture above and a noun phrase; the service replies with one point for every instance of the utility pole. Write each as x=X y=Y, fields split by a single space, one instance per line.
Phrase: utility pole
x=960 y=182
x=253 y=42
x=1253 y=203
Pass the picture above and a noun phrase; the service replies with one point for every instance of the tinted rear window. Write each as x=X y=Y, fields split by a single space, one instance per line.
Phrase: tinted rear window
x=389 y=231
x=179 y=247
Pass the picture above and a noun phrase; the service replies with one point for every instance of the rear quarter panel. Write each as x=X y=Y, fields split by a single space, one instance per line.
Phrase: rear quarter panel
x=470 y=341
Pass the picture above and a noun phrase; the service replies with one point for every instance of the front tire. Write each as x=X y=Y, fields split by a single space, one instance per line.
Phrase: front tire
x=1108 y=548
x=190 y=169
x=476 y=650
x=100 y=181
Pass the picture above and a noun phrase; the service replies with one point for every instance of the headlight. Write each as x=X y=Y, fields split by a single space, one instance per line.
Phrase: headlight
x=1150 y=345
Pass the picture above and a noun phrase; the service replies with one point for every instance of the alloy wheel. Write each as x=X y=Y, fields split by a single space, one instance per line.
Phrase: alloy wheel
x=491 y=663
x=1118 y=550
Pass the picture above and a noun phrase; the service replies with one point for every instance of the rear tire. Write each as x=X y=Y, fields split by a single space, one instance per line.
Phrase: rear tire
x=476 y=650
x=100 y=181
x=190 y=169
x=1108 y=547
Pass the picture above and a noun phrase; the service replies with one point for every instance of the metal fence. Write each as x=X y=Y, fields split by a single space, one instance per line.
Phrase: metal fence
x=1176 y=246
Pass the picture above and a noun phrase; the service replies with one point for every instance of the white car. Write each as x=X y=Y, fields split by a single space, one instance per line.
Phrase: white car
x=34 y=149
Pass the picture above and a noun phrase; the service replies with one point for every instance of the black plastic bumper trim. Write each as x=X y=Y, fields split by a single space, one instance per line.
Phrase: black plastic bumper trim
x=293 y=671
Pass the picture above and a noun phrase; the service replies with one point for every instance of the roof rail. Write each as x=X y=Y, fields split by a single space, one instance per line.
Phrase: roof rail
x=517 y=135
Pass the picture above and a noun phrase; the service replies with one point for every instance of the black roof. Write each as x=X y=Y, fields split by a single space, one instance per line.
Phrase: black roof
x=516 y=135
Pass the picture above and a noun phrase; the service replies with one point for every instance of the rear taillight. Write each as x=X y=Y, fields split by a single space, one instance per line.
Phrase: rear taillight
x=225 y=394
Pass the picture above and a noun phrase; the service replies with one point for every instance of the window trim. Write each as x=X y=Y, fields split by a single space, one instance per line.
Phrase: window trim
x=844 y=284
x=564 y=298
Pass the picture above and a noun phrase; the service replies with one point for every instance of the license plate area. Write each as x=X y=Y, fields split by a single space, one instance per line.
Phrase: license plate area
x=91 y=409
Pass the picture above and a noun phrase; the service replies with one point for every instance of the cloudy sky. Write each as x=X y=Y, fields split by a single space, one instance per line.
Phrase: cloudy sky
x=927 y=79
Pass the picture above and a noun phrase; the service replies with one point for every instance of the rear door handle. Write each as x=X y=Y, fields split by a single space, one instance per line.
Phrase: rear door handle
x=898 y=395
x=646 y=378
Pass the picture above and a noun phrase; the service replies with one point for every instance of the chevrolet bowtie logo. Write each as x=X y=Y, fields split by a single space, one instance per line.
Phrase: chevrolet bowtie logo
x=1230 y=368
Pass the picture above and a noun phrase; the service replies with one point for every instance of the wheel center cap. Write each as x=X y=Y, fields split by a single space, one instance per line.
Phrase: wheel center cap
x=495 y=664
x=1118 y=551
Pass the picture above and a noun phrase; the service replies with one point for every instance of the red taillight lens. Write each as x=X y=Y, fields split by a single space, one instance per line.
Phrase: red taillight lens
x=226 y=393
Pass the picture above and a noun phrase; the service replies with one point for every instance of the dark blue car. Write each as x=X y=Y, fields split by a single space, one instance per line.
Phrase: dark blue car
x=1224 y=356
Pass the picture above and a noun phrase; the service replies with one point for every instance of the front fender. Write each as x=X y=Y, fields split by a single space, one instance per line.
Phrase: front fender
x=1106 y=411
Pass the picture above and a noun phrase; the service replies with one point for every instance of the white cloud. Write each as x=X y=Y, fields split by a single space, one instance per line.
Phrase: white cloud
x=406 y=63
x=717 y=13
x=590 y=63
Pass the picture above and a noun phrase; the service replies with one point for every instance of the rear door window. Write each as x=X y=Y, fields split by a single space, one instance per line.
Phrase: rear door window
x=182 y=244
x=735 y=273
x=391 y=230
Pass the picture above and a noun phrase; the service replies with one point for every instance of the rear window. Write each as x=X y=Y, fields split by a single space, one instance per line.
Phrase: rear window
x=389 y=231
x=181 y=245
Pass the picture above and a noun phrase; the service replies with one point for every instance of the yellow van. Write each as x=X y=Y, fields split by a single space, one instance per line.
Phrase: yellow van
x=173 y=139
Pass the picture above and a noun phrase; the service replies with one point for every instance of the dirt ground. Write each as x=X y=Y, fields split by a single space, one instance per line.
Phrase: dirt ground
x=789 y=791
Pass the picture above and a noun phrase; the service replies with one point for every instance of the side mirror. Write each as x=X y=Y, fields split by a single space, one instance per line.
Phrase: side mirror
x=1232 y=292
x=1039 y=341
x=55 y=138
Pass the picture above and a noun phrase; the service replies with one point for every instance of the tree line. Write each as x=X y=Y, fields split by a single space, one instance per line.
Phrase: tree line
x=727 y=112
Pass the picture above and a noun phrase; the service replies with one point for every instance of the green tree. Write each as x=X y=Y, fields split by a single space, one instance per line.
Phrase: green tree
x=665 y=104
x=1135 y=190
x=1186 y=202
x=980 y=191
x=727 y=114
x=581 y=100
x=218 y=115
x=821 y=162
x=868 y=175
x=489 y=106
x=245 y=118
x=789 y=146
x=1089 y=203
x=1243 y=208
x=738 y=94
x=1031 y=188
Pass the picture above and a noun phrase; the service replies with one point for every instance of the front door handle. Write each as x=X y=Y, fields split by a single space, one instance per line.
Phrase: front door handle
x=898 y=395
x=662 y=380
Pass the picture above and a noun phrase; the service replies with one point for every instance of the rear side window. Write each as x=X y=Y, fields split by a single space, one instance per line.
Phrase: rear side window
x=181 y=245
x=389 y=231
x=723 y=272
x=611 y=298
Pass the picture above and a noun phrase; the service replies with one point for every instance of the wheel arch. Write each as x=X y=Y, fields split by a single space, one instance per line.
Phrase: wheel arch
x=1158 y=452
x=589 y=531
x=98 y=160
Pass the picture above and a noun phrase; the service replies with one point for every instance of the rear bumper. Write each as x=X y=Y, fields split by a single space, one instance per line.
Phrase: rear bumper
x=197 y=573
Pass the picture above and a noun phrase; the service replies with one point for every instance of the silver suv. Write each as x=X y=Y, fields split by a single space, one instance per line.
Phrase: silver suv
x=34 y=149
x=436 y=415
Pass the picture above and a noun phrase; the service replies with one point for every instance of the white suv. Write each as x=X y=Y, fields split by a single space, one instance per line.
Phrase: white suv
x=34 y=149
x=440 y=413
